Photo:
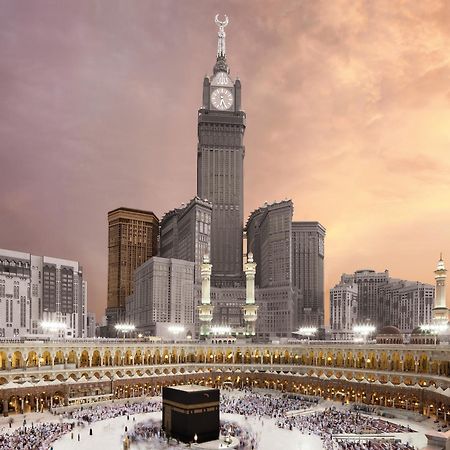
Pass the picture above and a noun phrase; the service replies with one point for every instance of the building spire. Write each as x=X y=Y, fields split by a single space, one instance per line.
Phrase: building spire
x=221 y=62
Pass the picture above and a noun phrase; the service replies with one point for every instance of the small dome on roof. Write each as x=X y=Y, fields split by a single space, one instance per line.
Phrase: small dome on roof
x=390 y=330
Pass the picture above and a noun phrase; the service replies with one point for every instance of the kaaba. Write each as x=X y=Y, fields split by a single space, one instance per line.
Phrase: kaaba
x=190 y=410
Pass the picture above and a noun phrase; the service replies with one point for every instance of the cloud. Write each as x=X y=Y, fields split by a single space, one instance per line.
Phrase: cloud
x=347 y=104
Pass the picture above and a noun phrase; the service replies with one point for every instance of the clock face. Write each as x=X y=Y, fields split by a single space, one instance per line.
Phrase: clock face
x=222 y=99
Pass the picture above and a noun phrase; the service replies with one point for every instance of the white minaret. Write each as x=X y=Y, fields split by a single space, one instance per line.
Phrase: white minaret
x=250 y=309
x=440 y=310
x=205 y=310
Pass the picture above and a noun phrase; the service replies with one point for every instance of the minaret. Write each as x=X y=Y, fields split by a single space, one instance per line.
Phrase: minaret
x=440 y=310
x=205 y=310
x=250 y=309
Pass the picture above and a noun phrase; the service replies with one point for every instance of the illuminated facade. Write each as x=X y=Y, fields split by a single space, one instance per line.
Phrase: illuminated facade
x=35 y=375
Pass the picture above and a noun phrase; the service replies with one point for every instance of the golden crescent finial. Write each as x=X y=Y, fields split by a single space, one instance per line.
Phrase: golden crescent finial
x=220 y=23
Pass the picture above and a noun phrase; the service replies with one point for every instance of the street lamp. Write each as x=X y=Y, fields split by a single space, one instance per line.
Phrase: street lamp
x=53 y=326
x=124 y=328
x=435 y=329
x=362 y=332
x=176 y=330
x=220 y=329
x=306 y=331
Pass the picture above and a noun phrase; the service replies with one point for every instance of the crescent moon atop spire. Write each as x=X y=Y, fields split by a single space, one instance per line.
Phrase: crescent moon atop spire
x=219 y=23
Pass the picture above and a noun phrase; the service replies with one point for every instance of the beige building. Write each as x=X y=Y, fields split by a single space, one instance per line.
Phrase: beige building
x=37 y=290
x=343 y=310
x=381 y=301
x=132 y=240
x=163 y=297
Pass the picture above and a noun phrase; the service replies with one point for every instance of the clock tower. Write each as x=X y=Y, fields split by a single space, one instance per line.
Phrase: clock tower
x=220 y=165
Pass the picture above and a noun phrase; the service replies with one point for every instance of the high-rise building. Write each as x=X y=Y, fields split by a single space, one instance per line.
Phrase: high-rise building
x=343 y=310
x=38 y=289
x=405 y=304
x=381 y=301
x=368 y=282
x=212 y=224
x=163 y=297
x=307 y=272
x=290 y=258
x=185 y=233
x=132 y=240
x=269 y=238
x=220 y=160
x=276 y=312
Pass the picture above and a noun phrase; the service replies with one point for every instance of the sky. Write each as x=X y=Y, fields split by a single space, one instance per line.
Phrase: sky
x=348 y=114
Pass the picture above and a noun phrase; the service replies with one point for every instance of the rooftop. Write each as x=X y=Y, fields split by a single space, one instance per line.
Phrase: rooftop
x=191 y=388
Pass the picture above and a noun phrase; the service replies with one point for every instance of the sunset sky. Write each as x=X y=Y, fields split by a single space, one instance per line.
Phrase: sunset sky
x=348 y=114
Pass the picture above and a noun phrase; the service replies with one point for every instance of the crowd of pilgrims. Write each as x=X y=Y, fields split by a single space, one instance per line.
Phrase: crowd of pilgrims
x=375 y=445
x=332 y=422
x=41 y=436
x=247 y=439
x=324 y=423
x=253 y=404
x=34 y=437
x=103 y=412
x=152 y=434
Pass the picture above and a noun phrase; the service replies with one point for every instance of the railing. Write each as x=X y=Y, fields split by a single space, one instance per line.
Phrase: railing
x=73 y=342
x=274 y=369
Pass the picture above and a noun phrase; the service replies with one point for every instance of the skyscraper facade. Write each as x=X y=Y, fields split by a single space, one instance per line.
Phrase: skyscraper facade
x=269 y=238
x=368 y=282
x=405 y=304
x=220 y=161
x=36 y=289
x=307 y=273
x=185 y=233
x=132 y=240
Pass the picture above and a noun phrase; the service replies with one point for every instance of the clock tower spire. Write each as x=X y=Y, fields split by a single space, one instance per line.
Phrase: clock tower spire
x=220 y=165
x=221 y=62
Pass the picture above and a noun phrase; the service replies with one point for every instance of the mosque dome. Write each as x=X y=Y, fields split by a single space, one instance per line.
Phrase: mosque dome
x=389 y=335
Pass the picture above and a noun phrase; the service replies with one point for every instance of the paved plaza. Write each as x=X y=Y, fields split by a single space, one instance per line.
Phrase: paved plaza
x=263 y=416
